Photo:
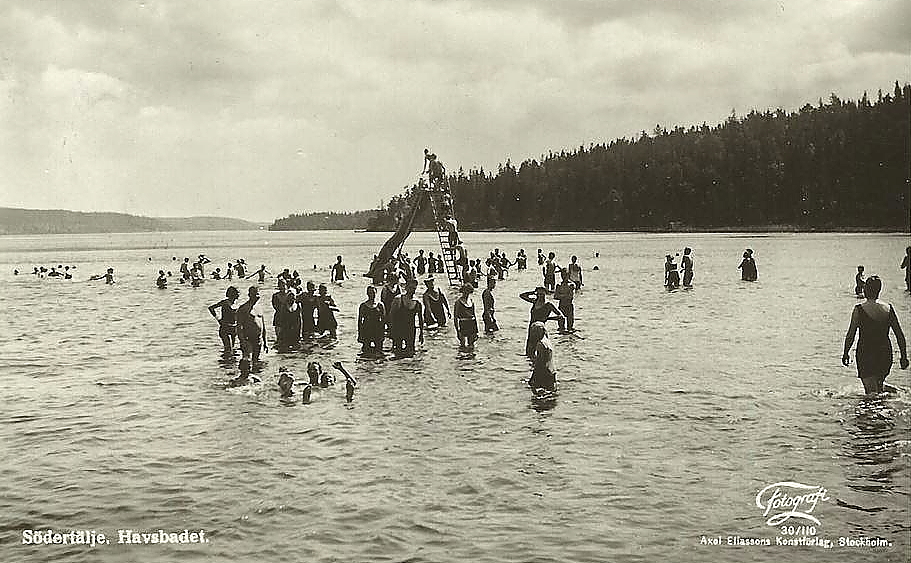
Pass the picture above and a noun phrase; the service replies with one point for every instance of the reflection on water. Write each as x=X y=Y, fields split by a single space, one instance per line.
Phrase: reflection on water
x=875 y=445
x=673 y=409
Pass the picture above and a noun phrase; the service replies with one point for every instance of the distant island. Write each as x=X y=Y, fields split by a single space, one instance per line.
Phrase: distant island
x=330 y=220
x=55 y=221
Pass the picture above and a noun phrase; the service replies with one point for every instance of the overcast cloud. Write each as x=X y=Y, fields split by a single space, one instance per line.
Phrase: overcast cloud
x=260 y=109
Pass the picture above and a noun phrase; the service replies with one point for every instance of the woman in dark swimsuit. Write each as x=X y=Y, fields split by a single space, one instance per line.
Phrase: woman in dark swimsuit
x=371 y=323
x=436 y=308
x=874 y=349
x=227 y=322
x=466 y=323
x=542 y=310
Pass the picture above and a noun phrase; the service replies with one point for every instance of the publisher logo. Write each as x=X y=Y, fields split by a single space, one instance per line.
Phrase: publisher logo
x=787 y=499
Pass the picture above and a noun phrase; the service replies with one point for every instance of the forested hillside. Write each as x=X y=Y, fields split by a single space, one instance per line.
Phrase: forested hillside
x=838 y=164
x=56 y=221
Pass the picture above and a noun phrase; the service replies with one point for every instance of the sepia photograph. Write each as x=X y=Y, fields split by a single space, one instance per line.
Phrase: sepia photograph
x=449 y=281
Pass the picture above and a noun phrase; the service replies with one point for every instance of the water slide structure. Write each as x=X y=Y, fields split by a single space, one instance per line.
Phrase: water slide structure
x=435 y=191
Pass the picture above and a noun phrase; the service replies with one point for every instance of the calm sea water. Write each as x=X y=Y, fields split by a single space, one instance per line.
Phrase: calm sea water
x=674 y=410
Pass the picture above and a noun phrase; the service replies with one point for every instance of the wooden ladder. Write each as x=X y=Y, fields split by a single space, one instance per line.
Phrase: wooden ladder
x=436 y=191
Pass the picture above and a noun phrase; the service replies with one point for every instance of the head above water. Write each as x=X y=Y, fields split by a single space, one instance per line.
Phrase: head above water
x=687 y=250
x=540 y=292
x=371 y=292
x=860 y=268
x=872 y=287
x=232 y=292
x=466 y=289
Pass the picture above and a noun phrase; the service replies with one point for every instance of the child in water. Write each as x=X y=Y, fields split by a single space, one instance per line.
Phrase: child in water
x=859 y=282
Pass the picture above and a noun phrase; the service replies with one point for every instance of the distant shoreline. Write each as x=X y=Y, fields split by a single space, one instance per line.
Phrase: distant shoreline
x=685 y=230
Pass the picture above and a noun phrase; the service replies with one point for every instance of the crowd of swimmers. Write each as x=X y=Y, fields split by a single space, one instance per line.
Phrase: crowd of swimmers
x=66 y=273
x=392 y=310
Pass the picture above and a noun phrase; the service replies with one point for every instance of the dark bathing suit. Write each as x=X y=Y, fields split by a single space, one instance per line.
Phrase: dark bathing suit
x=874 y=349
x=465 y=318
x=433 y=308
x=373 y=330
x=227 y=326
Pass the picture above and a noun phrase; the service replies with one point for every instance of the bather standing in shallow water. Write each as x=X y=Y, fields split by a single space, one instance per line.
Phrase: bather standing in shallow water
x=227 y=321
x=436 y=308
x=543 y=375
x=541 y=311
x=874 y=349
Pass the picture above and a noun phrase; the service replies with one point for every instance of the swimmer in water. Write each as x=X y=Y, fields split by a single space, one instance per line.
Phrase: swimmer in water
x=371 y=323
x=747 y=267
x=564 y=293
x=227 y=321
x=874 y=349
x=550 y=272
x=436 y=307
x=108 y=277
x=251 y=330
x=350 y=381
x=466 y=323
x=671 y=275
x=542 y=311
x=543 y=375
x=261 y=273
x=285 y=382
x=404 y=312
x=575 y=272
x=339 y=272
x=325 y=312
x=686 y=264
x=162 y=281
x=859 y=282
x=490 y=321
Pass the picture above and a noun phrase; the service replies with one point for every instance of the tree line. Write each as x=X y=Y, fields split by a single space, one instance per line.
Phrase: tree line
x=323 y=221
x=839 y=164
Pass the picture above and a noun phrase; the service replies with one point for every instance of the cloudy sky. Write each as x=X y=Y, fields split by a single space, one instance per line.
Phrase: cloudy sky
x=257 y=109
